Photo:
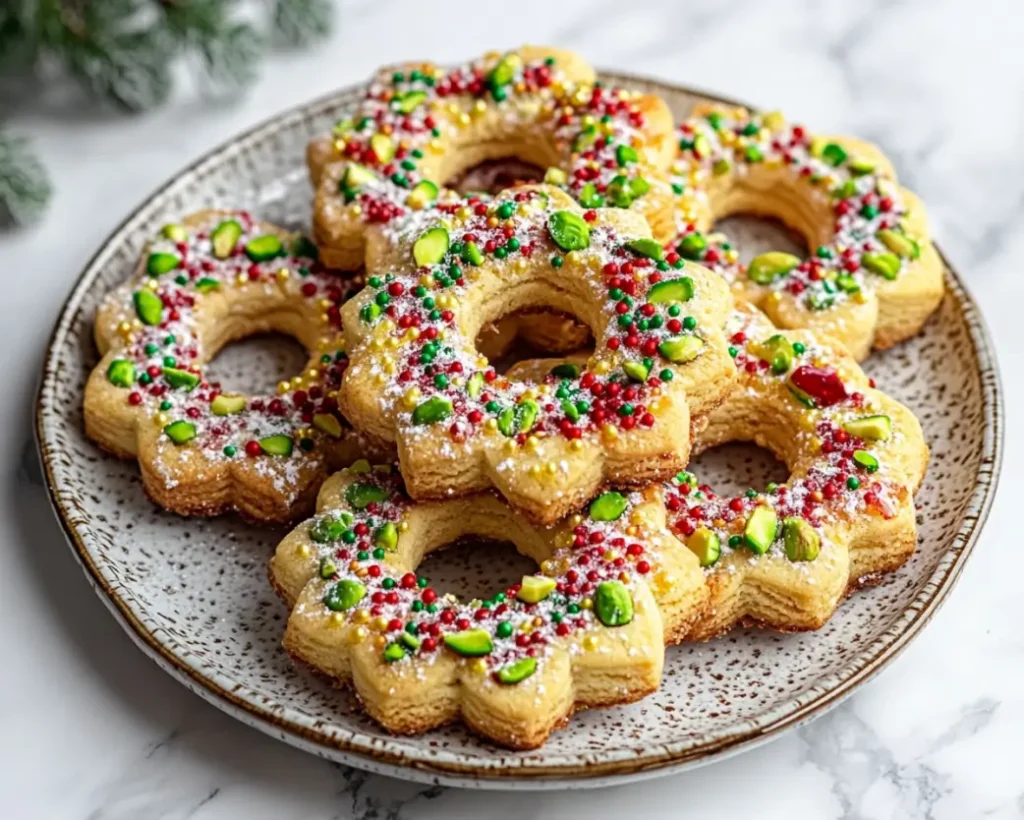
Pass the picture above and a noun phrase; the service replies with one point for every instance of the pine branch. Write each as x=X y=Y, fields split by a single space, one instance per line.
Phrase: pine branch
x=229 y=50
x=298 y=22
x=24 y=184
x=122 y=52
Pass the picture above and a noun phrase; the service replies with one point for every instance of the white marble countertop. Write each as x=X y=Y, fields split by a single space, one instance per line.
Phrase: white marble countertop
x=91 y=728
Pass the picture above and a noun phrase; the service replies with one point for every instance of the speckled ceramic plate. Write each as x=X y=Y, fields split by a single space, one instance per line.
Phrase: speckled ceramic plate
x=194 y=596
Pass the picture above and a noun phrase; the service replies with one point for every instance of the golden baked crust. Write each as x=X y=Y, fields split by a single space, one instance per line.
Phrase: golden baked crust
x=202 y=451
x=874 y=276
x=415 y=377
x=419 y=126
x=590 y=631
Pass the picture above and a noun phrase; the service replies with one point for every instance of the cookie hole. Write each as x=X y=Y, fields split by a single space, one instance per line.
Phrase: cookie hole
x=523 y=336
x=752 y=235
x=730 y=469
x=256 y=364
x=495 y=175
x=474 y=567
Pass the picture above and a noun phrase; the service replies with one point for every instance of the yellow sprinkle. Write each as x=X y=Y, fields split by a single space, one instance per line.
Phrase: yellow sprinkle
x=463 y=120
x=490 y=425
x=572 y=257
x=610 y=432
x=587 y=603
x=361 y=616
x=355 y=211
x=547 y=566
x=624 y=576
x=380 y=641
x=576 y=445
x=362 y=572
x=283 y=274
x=551 y=468
x=162 y=419
x=479 y=666
x=336 y=619
x=533 y=470
x=609 y=555
x=590 y=643
x=152 y=284
x=510 y=446
x=303 y=550
x=664 y=581
x=359 y=634
x=576 y=520
x=379 y=624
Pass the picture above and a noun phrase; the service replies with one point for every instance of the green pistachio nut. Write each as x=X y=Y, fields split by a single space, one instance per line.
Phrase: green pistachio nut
x=569 y=230
x=345 y=594
x=518 y=671
x=224 y=237
x=768 y=267
x=706 y=545
x=432 y=410
x=870 y=428
x=801 y=540
x=121 y=373
x=613 y=605
x=158 y=264
x=761 y=529
x=608 y=506
x=360 y=495
x=681 y=349
x=671 y=290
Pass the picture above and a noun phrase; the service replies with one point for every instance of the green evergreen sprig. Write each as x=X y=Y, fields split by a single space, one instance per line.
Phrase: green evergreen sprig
x=122 y=54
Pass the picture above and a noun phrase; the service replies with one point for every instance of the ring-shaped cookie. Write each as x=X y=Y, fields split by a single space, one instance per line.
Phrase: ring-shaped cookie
x=418 y=126
x=587 y=631
x=416 y=378
x=784 y=557
x=874 y=276
x=215 y=277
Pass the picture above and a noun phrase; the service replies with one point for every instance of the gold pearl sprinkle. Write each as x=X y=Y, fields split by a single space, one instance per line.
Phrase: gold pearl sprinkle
x=478 y=666
x=590 y=643
x=361 y=616
x=336 y=619
x=587 y=603
x=359 y=634
x=380 y=641
x=303 y=550
x=162 y=419
x=379 y=624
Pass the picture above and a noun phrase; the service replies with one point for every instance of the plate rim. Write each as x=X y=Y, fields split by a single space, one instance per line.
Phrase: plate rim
x=623 y=767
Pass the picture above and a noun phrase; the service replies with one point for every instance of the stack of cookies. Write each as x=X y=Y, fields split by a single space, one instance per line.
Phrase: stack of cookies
x=403 y=436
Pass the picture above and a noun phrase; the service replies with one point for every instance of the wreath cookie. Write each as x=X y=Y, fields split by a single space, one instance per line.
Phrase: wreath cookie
x=589 y=630
x=215 y=277
x=415 y=377
x=785 y=556
x=419 y=126
x=874 y=278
